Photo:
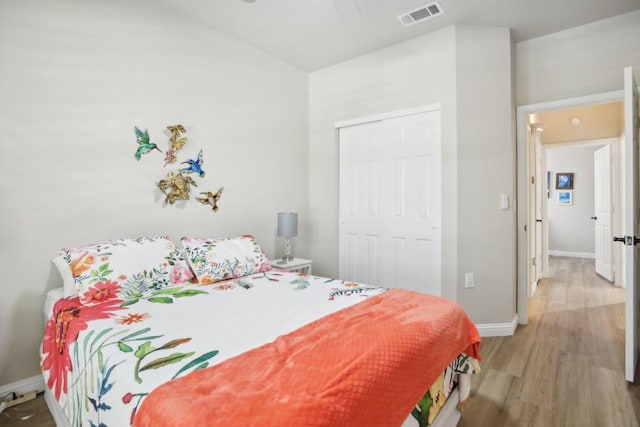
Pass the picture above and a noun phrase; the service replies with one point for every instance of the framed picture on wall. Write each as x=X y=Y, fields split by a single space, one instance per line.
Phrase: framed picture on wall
x=565 y=197
x=564 y=181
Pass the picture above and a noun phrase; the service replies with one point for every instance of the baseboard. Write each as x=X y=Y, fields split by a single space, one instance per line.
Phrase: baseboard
x=573 y=254
x=498 y=329
x=28 y=384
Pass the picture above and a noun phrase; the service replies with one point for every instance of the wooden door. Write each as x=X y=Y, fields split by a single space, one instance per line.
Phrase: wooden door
x=540 y=215
x=602 y=191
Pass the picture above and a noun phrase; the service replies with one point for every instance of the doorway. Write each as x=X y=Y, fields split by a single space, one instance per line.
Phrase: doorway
x=527 y=175
x=579 y=213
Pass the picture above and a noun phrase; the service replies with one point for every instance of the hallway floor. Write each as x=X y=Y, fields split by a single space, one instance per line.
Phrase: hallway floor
x=566 y=367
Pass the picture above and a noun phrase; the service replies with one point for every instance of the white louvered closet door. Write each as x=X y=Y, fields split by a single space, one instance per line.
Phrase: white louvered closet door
x=390 y=202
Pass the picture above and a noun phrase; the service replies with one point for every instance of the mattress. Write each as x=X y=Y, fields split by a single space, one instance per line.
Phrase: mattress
x=117 y=356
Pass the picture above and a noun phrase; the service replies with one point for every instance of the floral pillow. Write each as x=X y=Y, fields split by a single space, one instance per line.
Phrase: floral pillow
x=123 y=268
x=213 y=260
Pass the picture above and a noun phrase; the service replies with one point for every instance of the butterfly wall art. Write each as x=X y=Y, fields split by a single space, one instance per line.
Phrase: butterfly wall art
x=176 y=143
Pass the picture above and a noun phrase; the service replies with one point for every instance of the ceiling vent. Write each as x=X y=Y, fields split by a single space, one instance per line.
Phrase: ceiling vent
x=423 y=13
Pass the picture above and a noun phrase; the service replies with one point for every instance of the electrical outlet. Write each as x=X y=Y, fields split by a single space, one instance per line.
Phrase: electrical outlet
x=21 y=398
x=470 y=280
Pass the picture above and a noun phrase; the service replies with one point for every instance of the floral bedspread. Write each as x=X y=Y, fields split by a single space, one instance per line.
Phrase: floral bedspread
x=102 y=360
x=457 y=374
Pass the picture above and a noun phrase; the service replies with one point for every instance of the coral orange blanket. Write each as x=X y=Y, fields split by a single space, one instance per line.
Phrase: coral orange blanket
x=365 y=365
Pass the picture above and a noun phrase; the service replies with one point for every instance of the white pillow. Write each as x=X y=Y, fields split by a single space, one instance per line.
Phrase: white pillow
x=121 y=268
x=213 y=260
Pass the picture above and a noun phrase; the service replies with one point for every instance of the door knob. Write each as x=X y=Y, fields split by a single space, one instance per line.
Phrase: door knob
x=594 y=217
x=538 y=220
x=627 y=240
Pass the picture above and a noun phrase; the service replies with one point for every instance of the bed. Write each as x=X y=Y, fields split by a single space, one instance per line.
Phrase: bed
x=142 y=333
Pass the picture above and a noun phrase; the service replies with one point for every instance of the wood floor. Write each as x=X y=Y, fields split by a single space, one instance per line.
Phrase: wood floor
x=564 y=369
x=34 y=412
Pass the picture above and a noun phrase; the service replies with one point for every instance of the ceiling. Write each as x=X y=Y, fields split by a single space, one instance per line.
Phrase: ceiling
x=314 y=34
x=593 y=122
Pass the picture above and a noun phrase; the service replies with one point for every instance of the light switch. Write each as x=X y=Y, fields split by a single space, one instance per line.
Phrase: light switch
x=504 y=202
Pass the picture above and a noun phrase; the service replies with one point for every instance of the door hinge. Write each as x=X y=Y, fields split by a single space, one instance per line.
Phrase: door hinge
x=533 y=180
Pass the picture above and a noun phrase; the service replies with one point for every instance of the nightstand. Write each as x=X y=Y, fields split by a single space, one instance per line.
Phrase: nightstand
x=298 y=265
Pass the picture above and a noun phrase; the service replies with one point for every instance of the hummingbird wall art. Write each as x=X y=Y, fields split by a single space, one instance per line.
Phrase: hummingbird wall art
x=194 y=165
x=178 y=182
x=210 y=198
x=144 y=143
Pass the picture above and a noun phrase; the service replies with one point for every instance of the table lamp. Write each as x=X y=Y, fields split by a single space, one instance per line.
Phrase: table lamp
x=287 y=228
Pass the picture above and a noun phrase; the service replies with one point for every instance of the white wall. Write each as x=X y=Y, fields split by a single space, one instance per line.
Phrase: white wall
x=571 y=229
x=486 y=169
x=467 y=70
x=75 y=78
x=581 y=61
x=417 y=72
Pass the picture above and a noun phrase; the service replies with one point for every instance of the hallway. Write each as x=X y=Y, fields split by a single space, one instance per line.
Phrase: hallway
x=566 y=367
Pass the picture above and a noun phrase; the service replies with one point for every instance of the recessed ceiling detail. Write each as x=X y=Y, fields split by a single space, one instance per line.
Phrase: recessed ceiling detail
x=423 y=13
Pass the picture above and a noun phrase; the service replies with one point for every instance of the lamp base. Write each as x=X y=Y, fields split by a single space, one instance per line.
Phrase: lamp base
x=287 y=252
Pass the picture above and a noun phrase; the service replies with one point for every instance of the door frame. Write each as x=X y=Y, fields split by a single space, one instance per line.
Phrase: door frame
x=631 y=223
x=537 y=210
x=522 y=178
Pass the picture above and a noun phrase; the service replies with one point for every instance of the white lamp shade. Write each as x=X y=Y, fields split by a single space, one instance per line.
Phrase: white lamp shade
x=287 y=224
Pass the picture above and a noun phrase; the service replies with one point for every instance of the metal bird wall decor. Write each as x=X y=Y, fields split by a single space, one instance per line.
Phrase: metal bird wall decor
x=194 y=165
x=176 y=185
x=211 y=198
x=144 y=143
